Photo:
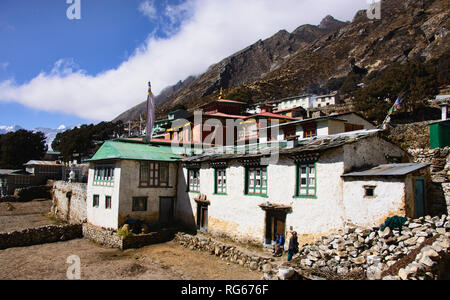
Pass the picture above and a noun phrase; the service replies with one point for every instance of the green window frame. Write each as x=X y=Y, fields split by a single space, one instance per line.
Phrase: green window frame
x=256 y=181
x=220 y=181
x=153 y=174
x=306 y=181
x=194 y=180
x=139 y=204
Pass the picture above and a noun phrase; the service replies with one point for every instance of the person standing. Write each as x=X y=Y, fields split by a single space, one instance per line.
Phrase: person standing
x=293 y=246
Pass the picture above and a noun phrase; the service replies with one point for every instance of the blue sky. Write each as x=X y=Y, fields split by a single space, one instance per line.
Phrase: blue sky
x=35 y=34
x=57 y=71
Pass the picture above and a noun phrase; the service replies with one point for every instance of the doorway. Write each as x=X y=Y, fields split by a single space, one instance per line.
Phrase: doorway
x=166 y=211
x=275 y=223
x=419 y=196
x=202 y=217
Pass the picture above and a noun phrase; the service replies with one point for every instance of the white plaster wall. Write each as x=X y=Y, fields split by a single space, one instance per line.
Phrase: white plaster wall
x=239 y=215
x=129 y=188
x=102 y=217
x=322 y=128
x=372 y=211
x=370 y=152
x=357 y=120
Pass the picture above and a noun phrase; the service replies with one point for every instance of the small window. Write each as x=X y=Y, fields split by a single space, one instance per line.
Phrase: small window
x=221 y=181
x=139 y=203
x=108 y=202
x=256 y=181
x=369 y=191
x=96 y=201
x=194 y=180
x=306 y=180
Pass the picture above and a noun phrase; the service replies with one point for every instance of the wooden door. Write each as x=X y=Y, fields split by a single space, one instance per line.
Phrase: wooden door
x=419 y=195
x=166 y=211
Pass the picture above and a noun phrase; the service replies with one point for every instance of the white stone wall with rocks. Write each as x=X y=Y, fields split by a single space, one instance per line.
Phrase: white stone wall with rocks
x=69 y=201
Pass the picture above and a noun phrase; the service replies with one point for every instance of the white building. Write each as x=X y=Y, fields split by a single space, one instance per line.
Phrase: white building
x=132 y=181
x=245 y=198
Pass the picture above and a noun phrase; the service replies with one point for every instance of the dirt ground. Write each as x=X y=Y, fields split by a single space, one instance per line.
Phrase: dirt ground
x=20 y=216
x=168 y=261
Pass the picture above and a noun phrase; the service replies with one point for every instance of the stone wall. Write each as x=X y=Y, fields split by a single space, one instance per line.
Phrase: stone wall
x=40 y=235
x=226 y=252
x=374 y=254
x=110 y=239
x=69 y=201
x=439 y=191
x=29 y=194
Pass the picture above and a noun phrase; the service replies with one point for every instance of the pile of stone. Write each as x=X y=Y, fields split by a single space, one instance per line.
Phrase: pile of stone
x=228 y=253
x=370 y=251
x=430 y=264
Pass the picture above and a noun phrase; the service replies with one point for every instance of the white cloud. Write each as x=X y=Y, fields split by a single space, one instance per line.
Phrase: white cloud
x=208 y=31
x=148 y=9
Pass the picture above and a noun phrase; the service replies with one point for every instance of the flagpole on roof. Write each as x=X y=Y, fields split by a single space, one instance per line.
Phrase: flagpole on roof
x=150 y=112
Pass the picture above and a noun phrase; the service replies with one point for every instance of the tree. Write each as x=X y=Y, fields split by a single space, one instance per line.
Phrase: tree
x=414 y=82
x=82 y=140
x=17 y=148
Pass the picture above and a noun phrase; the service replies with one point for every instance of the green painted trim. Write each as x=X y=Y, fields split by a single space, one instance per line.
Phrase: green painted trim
x=305 y=197
x=246 y=190
x=194 y=192
x=216 y=187
x=297 y=179
x=258 y=195
x=220 y=194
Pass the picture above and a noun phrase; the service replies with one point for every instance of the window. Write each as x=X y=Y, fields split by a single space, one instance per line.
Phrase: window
x=306 y=180
x=256 y=181
x=96 y=201
x=139 y=204
x=369 y=191
x=154 y=174
x=221 y=181
x=104 y=175
x=108 y=202
x=310 y=132
x=194 y=180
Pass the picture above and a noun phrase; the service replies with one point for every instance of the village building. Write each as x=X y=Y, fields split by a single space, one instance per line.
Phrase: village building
x=320 y=126
x=249 y=199
x=131 y=180
x=45 y=170
x=13 y=179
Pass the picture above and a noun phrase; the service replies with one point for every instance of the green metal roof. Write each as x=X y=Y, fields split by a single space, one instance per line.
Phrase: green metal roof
x=135 y=151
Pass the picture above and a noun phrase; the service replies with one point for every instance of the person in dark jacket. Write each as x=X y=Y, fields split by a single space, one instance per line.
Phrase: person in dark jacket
x=293 y=246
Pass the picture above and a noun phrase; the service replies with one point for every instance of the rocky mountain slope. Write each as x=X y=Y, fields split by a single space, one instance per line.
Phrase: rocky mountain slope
x=289 y=64
x=247 y=65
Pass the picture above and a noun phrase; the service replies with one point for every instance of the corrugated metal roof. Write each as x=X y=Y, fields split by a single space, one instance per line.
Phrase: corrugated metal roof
x=389 y=170
x=42 y=163
x=135 y=151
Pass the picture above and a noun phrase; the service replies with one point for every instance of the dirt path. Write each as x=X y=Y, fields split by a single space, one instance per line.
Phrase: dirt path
x=19 y=216
x=167 y=261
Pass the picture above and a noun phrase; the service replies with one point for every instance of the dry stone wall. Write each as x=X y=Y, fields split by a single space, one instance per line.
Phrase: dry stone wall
x=370 y=253
x=40 y=235
x=69 y=202
x=226 y=252
x=439 y=190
